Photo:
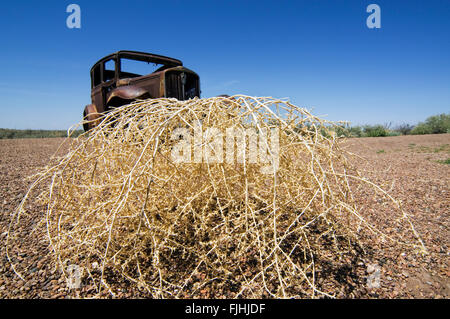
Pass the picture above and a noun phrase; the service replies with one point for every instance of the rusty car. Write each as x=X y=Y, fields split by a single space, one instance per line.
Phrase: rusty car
x=117 y=79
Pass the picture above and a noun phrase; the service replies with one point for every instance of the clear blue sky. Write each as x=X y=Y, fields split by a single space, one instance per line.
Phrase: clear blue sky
x=319 y=54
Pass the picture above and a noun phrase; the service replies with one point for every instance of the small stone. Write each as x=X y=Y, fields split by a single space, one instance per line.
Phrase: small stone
x=372 y=267
x=373 y=281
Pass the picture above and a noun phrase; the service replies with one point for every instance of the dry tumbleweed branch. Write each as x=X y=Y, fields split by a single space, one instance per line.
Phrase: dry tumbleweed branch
x=162 y=193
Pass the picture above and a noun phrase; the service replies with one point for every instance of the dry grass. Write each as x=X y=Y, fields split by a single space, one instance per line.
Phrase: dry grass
x=119 y=206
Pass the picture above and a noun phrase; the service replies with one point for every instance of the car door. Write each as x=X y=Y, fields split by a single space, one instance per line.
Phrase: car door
x=109 y=79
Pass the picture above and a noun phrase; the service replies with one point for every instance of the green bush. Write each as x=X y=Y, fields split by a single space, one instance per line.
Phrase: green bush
x=394 y=133
x=435 y=124
x=342 y=131
x=421 y=128
x=447 y=161
x=356 y=131
x=365 y=131
x=375 y=130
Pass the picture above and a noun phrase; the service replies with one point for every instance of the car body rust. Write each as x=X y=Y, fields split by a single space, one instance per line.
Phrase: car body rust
x=112 y=85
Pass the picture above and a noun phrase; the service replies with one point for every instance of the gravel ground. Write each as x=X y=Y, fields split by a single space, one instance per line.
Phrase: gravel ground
x=412 y=166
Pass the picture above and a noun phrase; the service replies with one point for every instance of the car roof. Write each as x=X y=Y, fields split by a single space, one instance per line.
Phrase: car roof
x=141 y=56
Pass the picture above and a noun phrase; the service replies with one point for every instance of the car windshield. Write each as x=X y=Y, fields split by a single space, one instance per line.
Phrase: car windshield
x=133 y=68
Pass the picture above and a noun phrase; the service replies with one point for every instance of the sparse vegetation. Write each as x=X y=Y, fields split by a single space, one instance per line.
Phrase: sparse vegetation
x=426 y=149
x=447 y=161
x=365 y=131
x=12 y=134
x=436 y=124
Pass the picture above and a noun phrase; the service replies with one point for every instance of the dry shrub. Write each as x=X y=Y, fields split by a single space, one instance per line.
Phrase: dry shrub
x=119 y=200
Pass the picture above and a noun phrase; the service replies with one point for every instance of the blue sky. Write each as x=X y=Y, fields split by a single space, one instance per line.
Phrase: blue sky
x=319 y=54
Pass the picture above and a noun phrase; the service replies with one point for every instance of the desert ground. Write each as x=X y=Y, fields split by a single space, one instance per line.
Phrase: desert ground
x=415 y=168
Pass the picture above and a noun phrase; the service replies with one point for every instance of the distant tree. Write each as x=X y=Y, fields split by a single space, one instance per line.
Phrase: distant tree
x=404 y=129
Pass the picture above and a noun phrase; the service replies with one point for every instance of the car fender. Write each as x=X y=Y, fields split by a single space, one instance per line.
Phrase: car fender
x=129 y=92
x=90 y=117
